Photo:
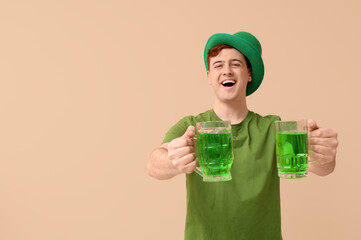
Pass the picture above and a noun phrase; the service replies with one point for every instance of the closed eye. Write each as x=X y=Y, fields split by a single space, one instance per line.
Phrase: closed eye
x=236 y=62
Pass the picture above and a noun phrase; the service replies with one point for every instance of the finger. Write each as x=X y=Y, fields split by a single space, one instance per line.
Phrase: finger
x=323 y=133
x=320 y=159
x=311 y=125
x=327 y=142
x=187 y=159
x=180 y=142
x=326 y=151
x=183 y=161
x=190 y=132
x=180 y=152
x=189 y=168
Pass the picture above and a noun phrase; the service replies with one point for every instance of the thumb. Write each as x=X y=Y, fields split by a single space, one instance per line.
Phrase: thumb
x=311 y=125
x=190 y=132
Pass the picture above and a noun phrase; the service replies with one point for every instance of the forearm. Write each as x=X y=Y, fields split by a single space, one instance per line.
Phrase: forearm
x=159 y=166
x=321 y=169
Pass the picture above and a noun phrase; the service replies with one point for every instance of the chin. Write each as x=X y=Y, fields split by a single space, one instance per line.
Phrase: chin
x=235 y=97
x=229 y=100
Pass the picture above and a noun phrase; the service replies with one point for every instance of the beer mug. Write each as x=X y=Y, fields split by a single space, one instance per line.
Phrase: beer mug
x=214 y=150
x=292 y=149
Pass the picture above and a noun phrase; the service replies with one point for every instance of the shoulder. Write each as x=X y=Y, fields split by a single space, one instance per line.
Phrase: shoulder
x=263 y=122
x=192 y=119
x=266 y=118
x=181 y=126
x=201 y=117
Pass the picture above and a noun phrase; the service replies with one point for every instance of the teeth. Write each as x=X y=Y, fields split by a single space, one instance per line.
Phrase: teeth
x=228 y=81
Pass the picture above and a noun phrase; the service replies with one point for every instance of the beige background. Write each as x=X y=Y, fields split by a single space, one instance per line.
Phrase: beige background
x=89 y=88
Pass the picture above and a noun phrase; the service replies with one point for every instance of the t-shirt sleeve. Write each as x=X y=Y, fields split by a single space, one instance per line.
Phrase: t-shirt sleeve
x=276 y=118
x=273 y=118
x=177 y=130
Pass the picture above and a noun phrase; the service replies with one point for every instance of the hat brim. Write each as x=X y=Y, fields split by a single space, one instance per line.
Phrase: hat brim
x=247 y=49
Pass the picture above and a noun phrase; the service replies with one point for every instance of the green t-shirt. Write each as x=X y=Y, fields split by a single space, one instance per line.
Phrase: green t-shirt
x=248 y=206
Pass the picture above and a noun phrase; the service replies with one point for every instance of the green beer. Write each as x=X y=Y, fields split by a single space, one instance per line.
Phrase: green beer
x=292 y=154
x=215 y=155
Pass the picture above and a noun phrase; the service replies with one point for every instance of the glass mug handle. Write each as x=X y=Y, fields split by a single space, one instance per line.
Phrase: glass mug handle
x=197 y=169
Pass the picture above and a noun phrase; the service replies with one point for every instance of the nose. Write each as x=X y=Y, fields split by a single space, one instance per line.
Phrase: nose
x=227 y=71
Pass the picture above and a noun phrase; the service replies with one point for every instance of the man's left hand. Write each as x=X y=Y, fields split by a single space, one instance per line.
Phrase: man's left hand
x=322 y=143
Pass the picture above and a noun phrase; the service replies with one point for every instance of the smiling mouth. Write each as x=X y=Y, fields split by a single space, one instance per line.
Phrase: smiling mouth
x=228 y=83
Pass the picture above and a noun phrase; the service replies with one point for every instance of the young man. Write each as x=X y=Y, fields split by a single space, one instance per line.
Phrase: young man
x=248 y=206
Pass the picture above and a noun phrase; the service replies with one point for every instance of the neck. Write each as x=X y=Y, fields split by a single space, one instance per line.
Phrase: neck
x=234 y=112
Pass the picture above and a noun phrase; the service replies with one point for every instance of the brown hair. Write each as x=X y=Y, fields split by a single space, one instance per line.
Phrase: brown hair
x=213 y=52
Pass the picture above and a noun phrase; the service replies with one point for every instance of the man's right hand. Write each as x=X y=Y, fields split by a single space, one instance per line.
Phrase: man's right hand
x=181 y=152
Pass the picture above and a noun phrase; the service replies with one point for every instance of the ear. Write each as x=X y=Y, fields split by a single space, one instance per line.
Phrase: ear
x=249 y=77
x=209 y=78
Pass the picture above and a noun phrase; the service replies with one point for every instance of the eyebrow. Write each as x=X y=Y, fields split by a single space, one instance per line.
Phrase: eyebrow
x=235 y=59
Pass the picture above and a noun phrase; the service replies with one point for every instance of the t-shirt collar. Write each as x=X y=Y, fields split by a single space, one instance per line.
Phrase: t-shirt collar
x=246 y=119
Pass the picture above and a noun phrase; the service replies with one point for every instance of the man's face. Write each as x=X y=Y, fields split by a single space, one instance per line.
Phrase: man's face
x=228 y=75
